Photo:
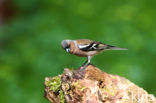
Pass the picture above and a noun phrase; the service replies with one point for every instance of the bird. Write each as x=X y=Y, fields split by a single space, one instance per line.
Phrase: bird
x=86 y=48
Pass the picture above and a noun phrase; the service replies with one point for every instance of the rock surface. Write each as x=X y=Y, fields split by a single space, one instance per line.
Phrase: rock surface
x=91 y=85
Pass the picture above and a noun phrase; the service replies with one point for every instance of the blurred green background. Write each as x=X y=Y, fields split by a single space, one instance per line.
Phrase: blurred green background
x=31 y=32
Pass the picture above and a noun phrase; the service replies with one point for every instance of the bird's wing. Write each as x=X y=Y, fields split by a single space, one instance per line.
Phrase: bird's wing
x=90 y=45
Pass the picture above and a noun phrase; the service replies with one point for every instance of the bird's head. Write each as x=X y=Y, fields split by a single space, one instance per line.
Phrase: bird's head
x=66 y=45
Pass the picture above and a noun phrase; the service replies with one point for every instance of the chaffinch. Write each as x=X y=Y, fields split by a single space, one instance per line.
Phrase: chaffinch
x=86 y=48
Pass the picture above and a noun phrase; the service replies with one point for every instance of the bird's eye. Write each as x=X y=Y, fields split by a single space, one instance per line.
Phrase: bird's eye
x=67 y=49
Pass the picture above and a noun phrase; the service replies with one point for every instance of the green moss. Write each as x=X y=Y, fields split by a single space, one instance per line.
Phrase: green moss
x=110 y=91
x=129 y=93
x=83 y=88
x=76 y=84
x=80 y=87
x=54 y=83
x=61 y=95
x=114 y=77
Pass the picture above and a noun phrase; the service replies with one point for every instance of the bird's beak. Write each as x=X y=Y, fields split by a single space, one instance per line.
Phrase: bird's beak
x=67 y=49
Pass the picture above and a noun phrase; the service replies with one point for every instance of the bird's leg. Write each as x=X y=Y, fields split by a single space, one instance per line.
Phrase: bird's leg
x=89 y=59
x=86 y=62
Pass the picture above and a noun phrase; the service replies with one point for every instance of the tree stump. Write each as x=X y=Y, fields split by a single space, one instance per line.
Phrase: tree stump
x=91 y=85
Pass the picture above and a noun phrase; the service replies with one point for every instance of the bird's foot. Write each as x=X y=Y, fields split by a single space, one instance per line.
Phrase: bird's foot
x=84 y=66
x=81 y=68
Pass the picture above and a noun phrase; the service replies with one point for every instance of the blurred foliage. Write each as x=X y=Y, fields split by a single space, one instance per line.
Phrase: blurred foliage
x=30 y=43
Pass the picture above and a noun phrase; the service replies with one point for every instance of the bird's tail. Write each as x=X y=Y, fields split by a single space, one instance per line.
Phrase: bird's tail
x=109 y=47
